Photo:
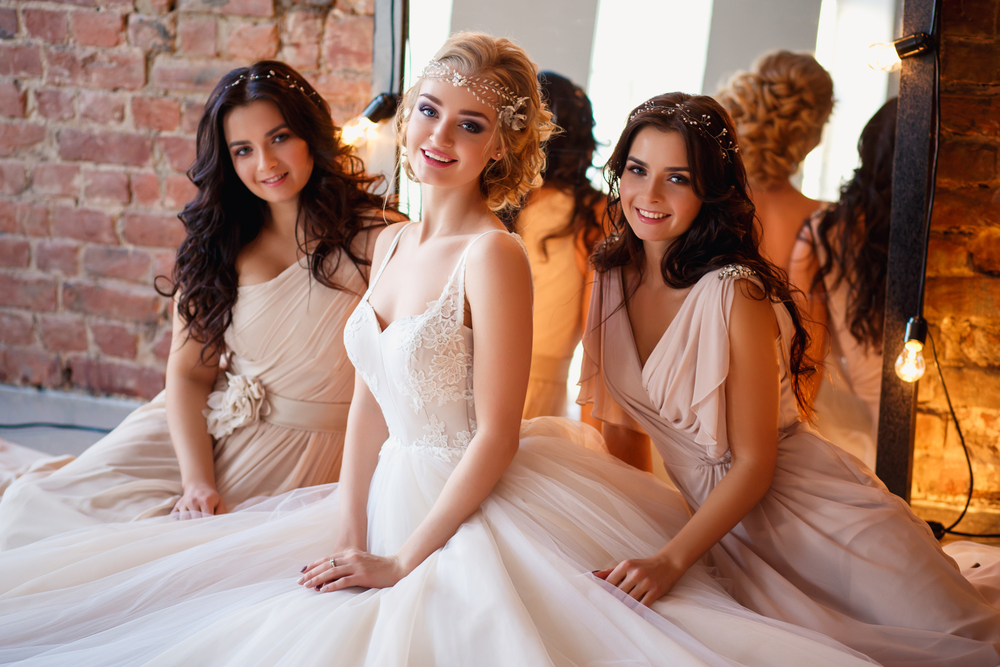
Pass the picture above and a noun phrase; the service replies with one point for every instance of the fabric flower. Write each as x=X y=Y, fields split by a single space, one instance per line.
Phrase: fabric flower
x=240 y=404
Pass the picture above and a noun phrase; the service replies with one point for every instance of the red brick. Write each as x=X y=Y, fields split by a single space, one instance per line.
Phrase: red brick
x=11 y=100
x=347 y=43
x=303 y=27
x=235 y=7
x=985 y=249
x=970 y=62
x=357 y=6
x=20 y=60
x=56 y=179
x=180 y=190
x=967 y=162
x=156 y=113
x=963 y=297
x=196 y=37
x=8 y=23
x=32 y=220
x=47 y=25
x=16 y=328
x=253 y=42
x=97 y=28
x=159 y=230
x=9 y=224
x=114 y=340
x=15 y=253
x=191 y=116
x=109 y=70
x=12 y=179
x=145 y=189
x=966 y=208
x=179 y=151
x=151 y=34
x=184 y=75
x=114 y=262
x=26 y=292
x=135 y=302
x=161 y=346
x=970 y=18
x=107 y=147
x=106 y=186
x=103 y=108
x=29 y=366
x=63 y=333
x=302 y=57
x=970 y=115
x=154 y=6
x=16 y=136
x=55 y=103
x=84 y=224
x=112 y=377
x=58 y=257
x=124 y=5
x=163 y=266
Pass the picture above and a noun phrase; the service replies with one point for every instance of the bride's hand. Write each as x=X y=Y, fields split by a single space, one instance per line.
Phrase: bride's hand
x=645 y=579
x=353 y=568
x=200 y=498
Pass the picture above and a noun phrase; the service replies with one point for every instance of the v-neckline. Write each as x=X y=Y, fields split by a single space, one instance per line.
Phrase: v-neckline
x=635 y=346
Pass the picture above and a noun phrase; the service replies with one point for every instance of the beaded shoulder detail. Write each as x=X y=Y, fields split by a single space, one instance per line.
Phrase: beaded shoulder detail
x=736 y=271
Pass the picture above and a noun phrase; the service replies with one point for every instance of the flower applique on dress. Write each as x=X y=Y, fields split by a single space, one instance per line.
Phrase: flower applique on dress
x=241 y=403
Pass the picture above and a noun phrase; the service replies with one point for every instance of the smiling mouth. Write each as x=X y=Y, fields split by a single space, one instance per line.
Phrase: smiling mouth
x=652 y=215
x=437 y=157
x=274 y=179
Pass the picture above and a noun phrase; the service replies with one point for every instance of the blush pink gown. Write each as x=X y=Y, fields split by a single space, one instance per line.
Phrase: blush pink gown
x=828 y=547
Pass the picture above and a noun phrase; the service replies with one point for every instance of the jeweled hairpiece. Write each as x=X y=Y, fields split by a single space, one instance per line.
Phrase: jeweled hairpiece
x=507 y=103
x=287 y=80
x=704 y=125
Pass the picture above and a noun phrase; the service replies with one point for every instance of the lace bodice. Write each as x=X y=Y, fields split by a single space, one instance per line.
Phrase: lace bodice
x=419 y=368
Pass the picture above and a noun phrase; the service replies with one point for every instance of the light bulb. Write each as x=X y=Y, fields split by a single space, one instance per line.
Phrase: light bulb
x=356 y=131
x=910 y=364
x=883 y=57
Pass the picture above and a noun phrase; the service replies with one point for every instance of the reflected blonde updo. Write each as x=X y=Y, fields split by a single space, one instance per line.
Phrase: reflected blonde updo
x=780 y=108
x=506 y=181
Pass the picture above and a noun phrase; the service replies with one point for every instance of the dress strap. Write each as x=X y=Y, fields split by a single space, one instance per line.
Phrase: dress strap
x=388 y=256
x=458 y=275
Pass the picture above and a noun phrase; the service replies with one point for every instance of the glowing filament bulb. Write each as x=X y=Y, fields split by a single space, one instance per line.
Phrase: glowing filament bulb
x=910 y=364
x=883 y=57
x=357 y=130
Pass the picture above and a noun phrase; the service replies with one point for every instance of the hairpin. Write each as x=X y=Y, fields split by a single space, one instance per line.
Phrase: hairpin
x=507 y=102
x=288 y=80
x=703 y=125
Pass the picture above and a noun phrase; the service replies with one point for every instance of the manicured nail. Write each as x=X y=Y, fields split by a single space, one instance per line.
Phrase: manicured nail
x=303 y=568
x=318 y=587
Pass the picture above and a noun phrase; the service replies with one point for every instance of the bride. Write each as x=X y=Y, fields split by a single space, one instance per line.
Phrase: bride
x=458 y=535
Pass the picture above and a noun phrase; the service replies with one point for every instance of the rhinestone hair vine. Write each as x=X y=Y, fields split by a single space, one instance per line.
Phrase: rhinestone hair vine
x=507 y=102
x=727 y=145
x=287 y=80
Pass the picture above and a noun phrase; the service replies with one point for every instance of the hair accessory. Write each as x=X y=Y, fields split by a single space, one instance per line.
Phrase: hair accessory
x=288 y=80
x=507 y=102
x=703 y=125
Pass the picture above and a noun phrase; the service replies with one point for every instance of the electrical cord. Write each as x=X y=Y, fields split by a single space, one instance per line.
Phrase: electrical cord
x=69 y=427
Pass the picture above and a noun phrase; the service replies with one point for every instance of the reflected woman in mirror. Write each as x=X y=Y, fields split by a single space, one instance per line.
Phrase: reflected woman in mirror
x=693 y=335
x=279 y=242
x=839 y=264
x=779 y=109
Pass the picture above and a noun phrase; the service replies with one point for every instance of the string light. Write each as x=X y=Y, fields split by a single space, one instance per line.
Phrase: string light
x=910 y=365
x=888 y=57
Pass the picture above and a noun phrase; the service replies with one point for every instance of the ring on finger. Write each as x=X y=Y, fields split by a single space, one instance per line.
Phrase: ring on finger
x=333 y=562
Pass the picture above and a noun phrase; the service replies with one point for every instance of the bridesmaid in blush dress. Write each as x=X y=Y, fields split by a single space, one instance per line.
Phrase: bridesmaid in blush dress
x=279 y=240
x=693 y=335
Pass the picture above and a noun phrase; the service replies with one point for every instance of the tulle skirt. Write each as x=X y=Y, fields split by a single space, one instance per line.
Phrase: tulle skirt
x=511 y=587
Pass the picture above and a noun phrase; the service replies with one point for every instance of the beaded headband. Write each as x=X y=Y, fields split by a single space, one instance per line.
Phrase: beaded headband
x=703 y=125
x=507 y=102
x=288 y=80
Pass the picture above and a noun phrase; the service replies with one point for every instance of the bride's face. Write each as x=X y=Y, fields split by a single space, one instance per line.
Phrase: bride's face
x=657 y=196
x=451 y=136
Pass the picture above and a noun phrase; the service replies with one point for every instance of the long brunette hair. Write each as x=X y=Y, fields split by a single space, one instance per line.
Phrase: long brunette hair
x=854 y=232
x=334 y=205
x=724 y=232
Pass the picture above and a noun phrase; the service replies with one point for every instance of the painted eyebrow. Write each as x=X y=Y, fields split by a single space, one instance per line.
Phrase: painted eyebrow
x=283 y=126
x=646 y=166
x=461 y=112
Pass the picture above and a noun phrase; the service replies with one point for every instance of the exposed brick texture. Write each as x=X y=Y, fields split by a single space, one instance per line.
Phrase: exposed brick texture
x=99 y=107
x=962 y=303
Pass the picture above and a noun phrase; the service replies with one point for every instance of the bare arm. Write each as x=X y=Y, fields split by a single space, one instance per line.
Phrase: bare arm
x=812 y=303
x=752 y=415
x=189 y=382
x=499 y=293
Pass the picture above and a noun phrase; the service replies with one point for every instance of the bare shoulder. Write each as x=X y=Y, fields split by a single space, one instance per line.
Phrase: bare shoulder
x=752 y=309
x=496 y=251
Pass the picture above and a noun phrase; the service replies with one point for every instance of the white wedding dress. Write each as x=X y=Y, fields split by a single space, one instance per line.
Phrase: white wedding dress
x=511 y=587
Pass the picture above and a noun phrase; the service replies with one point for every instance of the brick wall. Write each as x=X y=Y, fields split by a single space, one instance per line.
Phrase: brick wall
x=963 y=277
x=99 y=102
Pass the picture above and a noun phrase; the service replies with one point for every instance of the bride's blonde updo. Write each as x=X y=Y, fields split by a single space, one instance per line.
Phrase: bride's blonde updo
x=506 y=181
x=779 y=108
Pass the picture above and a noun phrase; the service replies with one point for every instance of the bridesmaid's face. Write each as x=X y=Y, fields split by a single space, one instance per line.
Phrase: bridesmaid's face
x=451 y=136
x=656 y=192
x=272 y=162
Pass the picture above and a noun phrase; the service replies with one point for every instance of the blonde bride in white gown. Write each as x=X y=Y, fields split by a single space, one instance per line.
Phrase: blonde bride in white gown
x=458 y=534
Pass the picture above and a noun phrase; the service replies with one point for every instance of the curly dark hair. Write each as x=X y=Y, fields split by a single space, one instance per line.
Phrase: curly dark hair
x=225 y=216
x=569 y=154
x=854 y=233
x=725 y=231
